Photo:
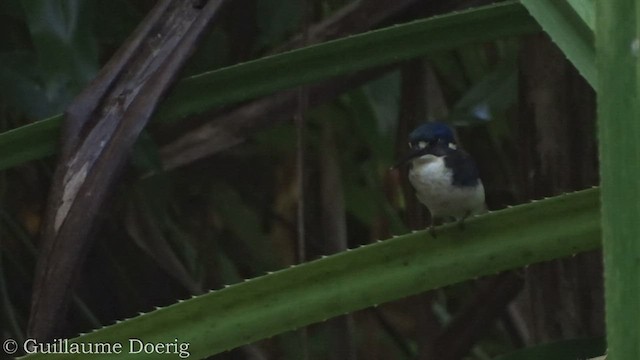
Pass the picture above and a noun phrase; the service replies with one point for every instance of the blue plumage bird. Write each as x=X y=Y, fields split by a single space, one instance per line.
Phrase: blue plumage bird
x=445 y=178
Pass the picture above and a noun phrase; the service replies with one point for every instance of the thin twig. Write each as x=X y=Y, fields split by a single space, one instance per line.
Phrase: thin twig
x=299 y=119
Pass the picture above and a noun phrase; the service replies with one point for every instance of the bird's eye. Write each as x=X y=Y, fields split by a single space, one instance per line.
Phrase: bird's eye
x=453 y=146
x=422 y=144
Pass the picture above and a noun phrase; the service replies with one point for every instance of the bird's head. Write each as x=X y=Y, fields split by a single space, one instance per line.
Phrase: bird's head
x=433 y=138
x=431 y=134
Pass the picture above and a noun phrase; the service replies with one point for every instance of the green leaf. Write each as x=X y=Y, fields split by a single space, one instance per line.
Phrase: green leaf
x=367 y=276
x=569 y=28
x=619 y=134
x=586 y=9
x=29 y=142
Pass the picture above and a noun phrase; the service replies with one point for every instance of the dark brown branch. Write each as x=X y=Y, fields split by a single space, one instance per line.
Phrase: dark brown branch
x=464 y=331
x=231 y=128
x=334 y=225
x=101 y=126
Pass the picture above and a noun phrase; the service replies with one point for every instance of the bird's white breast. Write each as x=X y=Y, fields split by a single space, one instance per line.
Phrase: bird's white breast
x=433 y=183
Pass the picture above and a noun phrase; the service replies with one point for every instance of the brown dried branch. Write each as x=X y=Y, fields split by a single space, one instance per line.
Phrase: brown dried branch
x=101 y=126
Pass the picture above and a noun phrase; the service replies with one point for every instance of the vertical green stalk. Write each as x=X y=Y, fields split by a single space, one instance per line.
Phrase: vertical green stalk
x=618 y=50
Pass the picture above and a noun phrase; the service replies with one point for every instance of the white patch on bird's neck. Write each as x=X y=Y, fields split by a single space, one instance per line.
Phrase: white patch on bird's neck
x=433 y=182
x=428 y=172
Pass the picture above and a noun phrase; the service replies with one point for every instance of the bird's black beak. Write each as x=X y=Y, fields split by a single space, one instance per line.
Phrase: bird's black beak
x=414 y=153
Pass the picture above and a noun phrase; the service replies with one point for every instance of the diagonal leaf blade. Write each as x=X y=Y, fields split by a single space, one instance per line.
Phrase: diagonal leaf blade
x=367 y=276
x=586 y=9
x=571 y=29
x=29 y=142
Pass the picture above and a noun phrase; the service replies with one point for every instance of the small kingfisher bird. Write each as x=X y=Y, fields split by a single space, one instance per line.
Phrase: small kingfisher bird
x=445 y=178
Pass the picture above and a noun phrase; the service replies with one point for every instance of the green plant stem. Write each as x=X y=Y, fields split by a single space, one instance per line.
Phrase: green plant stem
x=618 y=48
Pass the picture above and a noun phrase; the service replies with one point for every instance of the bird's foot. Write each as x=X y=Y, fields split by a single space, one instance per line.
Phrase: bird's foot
x=461 y=224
